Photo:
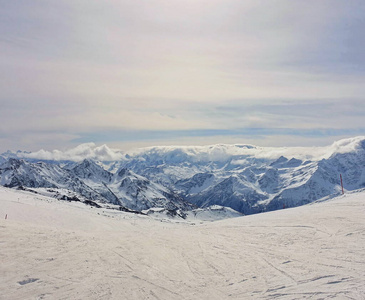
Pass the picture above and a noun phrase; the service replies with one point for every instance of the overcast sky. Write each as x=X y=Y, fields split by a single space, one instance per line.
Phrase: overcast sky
x=133 y=73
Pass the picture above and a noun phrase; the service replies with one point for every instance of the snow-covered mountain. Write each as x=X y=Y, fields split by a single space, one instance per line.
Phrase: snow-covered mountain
x=253 y=179
x=246 y=178
x=137 y=192
x=90 y=181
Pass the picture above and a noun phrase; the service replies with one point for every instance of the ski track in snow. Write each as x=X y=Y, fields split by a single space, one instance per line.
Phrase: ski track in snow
x=51 y=249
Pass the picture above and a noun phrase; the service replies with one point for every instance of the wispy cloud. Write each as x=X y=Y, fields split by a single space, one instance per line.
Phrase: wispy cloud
x=199 y=68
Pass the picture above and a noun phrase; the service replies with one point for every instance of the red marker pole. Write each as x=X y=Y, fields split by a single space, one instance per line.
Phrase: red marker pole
x=342 y=184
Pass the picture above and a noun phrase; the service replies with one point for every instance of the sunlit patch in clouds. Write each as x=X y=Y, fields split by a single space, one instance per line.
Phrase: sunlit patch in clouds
x=159 y=71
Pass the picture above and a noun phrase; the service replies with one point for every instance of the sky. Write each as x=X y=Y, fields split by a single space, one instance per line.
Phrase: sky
x=133 y=73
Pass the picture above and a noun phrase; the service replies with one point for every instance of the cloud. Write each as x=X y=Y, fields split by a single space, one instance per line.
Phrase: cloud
x=299 y=114
x=79 y=153
x=82 y=68
x=239 y=154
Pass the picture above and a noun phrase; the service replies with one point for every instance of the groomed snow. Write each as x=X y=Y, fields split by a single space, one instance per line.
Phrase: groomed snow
x=51 y=249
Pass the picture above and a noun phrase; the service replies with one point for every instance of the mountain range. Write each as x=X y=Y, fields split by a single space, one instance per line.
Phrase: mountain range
x=245 y=178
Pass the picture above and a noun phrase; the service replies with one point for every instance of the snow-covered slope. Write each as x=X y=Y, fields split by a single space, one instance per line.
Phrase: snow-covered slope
x=60 y=250
x=210 y=214
x=213 y=213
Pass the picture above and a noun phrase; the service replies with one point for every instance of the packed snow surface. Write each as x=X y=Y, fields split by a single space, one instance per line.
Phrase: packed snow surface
x=54 y=249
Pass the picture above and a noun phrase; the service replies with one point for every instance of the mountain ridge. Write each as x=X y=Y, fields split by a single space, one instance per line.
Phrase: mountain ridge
x=246 y=178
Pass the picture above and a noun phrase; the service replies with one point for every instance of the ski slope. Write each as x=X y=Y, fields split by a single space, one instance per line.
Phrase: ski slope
x=53 y=249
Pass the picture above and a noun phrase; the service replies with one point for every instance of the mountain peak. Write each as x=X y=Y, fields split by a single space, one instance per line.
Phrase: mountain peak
x=89 y=169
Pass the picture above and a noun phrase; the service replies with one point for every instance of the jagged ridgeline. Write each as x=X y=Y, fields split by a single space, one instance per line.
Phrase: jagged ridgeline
x=245 y=178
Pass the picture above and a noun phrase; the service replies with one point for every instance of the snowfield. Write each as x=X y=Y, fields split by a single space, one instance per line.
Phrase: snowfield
x=54 y=249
